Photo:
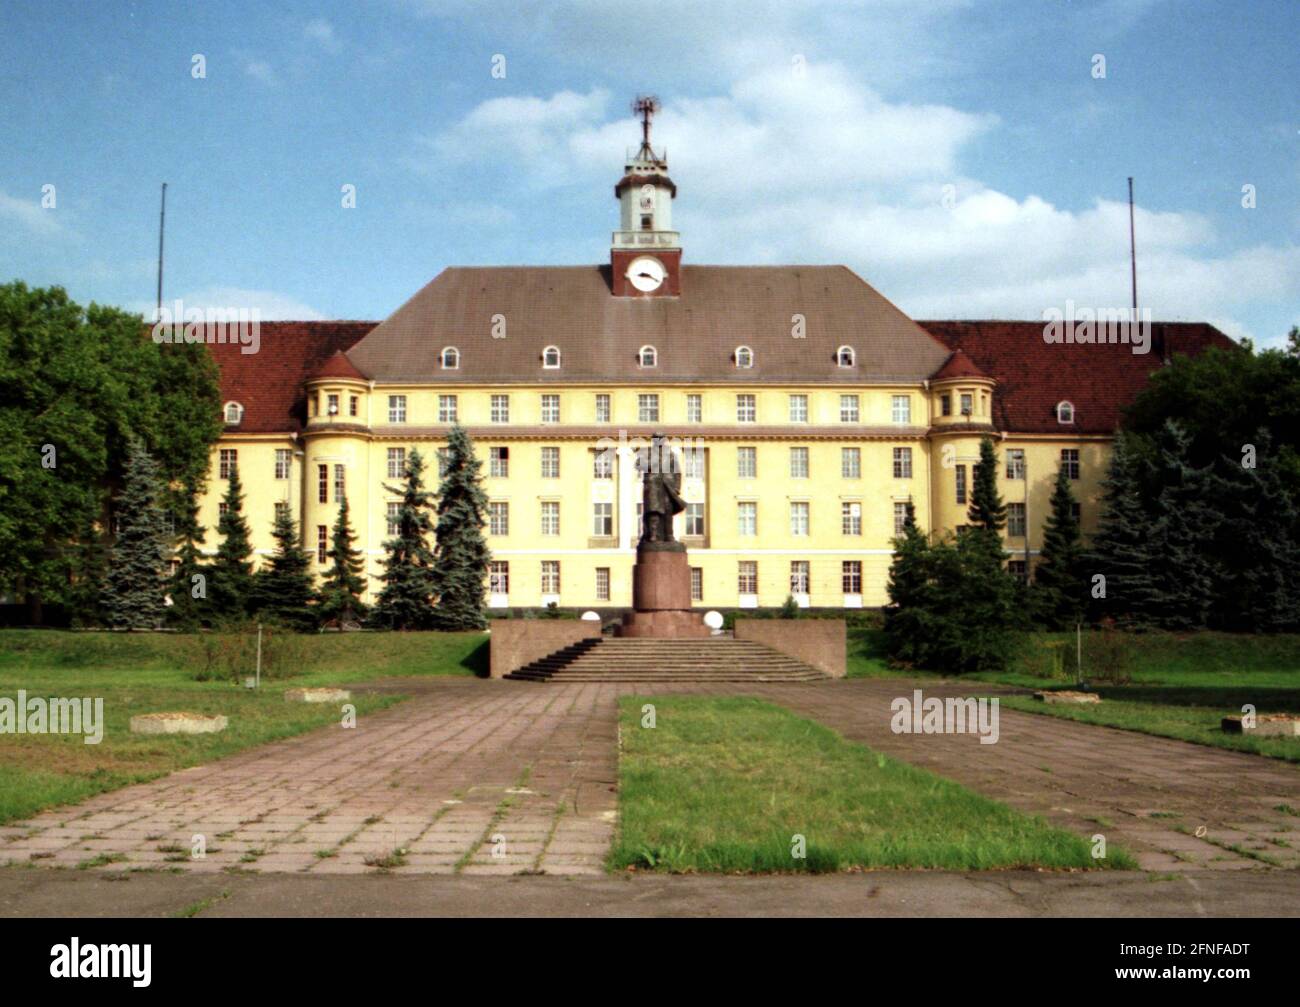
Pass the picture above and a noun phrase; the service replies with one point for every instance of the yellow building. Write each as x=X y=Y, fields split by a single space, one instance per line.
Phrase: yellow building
x=808 y=410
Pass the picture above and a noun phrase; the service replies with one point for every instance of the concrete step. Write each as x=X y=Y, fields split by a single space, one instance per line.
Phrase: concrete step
x=720 y=659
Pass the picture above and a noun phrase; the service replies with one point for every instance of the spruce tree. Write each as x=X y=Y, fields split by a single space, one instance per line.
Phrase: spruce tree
x=282 y=589
x=1117 y=566
x=189 y=595
x=409 y=579
x=230 y=577
x=461 y=557
x=1060 y=590
x=134 y=591
x=339 y=601
x=987 y=511
x=907 y=619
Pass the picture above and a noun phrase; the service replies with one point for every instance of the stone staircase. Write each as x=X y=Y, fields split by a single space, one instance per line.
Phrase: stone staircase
x=639 y=659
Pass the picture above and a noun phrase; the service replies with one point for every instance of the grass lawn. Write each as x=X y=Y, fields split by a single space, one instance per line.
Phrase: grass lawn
x=143 y=673
x=722 y=784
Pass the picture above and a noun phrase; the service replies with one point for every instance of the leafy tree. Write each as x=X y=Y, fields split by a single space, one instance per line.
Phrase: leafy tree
x=282 y=589
x=1118 y=564
x=230 y=580
x=76 y=385
x=89 y=563
x=339 y=601
x=189 y=596
x=134 y=589
x=409 y=579
x=1060 y=588
x=461 y=557
x=987 y=511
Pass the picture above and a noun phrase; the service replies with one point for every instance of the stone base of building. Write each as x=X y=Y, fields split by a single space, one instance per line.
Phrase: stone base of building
x=661 y=595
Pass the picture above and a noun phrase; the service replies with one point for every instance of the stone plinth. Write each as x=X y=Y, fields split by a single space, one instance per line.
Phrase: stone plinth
x=1267 y=725
x=1067 y=696
x=317 y=695
x=177 y=723
x=661 y=595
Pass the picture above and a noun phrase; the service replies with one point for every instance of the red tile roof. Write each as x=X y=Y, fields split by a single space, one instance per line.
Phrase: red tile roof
x=1098 y=379
x=338 y=366
x=269 y=383
x=958 y=366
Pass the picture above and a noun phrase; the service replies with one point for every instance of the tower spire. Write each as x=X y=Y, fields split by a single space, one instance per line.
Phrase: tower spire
x=645 y=105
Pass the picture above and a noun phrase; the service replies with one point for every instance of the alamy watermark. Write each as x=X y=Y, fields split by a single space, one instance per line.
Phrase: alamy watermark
x=211 y=324
x=1079 y=324
x=36 y=715
x=931 y=715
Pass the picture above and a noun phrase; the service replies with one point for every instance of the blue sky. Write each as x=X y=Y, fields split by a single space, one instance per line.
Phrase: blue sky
x=961 y=156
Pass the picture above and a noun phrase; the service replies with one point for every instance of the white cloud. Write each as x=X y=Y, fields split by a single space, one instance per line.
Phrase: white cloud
x=271 y=305
x=260 y=69
x=321 y=31
x=31 y=215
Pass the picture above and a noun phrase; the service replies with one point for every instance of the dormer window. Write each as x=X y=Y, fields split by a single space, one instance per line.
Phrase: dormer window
x=647 y=357
x=551 y=358
x=234 y=414
x=450 y=358
x=844 y=356
x=744 y=356
x=1064 y=412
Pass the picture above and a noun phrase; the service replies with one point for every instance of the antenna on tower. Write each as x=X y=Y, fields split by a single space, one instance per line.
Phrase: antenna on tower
x=162 y=220
x=645 y=106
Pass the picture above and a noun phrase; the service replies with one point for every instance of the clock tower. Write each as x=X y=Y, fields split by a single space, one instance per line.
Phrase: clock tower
x=645 y=253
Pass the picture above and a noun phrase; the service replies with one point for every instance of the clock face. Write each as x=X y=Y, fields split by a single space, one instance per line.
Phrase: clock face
x=646 y=274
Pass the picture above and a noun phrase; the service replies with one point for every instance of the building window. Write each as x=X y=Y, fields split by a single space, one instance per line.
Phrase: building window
x=966 y=403
x=851 y=463
x=550 y=463
x=602 y=583
x=744 y=356
x=646 y=357
x=550 y=409
x=693 y=463
x=550 y=576
x=844 y=356
x=498 y=517
x=234 y=414
x=500 y=409
x=1015 y=463
x=340 y=483
x=902 y=409
x=1064 y=412
x=902 y=463
x=332 y=403
x=551 y=358
x=850 y=517
x=1076 y=509
x=499 y=463
x=799 y=576
x=695 y=519
x=747 y=463
x=353 y=403
x=1016 y=520
x=550 y=517
x=397 y=463
x=1070 y=462
x=281 y=510
x=694 y=408
x=228 y=461
x=746 y=409
x=799 y=517
x=444 y=461
x=602 y=408
x=499 y=577
x=1018 y=568
x=747 y=581
x=603 y=463
x=945 y=404
x=397 y=409
x=798 y=463
x=747 y=518
x=394 y=516
x=851 y=576
x=283 y=462
x=697 y=583
x=322 y=543
x=450 y=358
x=446 y=409
x=602 y=520
x=323 y=483
x=647 y=408
x=222 y=509
x=798 y=408
x=960 y=474
x=900 y=518
x=848 y=409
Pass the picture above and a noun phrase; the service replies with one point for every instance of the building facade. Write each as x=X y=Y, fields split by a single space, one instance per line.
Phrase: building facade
x=808 y=411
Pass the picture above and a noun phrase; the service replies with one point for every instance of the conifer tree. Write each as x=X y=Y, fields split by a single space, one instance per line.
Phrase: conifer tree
x=230 y=577
x=189 y=595
x=461 y=557
x=134 y=591
x=89 y=576
x=907 y=624
x=410 y=582
x=1060 y=590
x=1118 y=564
x=282 y=589
x=339 y=601
x=987 y=511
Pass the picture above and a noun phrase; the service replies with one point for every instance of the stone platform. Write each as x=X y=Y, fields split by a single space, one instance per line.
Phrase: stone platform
x=661 y=596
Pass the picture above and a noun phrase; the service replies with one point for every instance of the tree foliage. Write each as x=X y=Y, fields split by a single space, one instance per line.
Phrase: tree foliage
x=409 y=580
x=230 y=581
x=339 y=600
x=282 y=589
x=134 y=589
x=1060 y=590
x=461 y=558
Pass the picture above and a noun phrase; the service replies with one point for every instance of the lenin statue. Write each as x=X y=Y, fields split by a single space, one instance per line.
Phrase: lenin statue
x=661 y=496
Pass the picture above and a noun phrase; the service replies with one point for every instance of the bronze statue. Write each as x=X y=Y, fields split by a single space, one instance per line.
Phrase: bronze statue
x=661 y=496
